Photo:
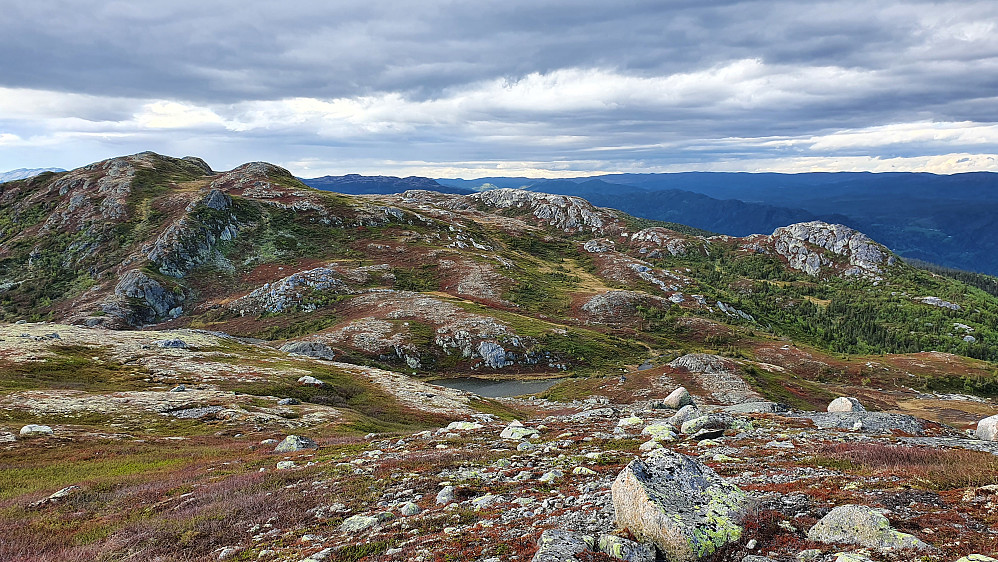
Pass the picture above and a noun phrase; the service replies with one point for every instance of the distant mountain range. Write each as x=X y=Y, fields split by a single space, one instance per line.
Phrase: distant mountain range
x=355 y=184
x=24 y=173
x=948 y=220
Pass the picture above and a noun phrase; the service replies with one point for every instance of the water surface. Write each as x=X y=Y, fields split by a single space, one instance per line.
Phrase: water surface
x=497 y=389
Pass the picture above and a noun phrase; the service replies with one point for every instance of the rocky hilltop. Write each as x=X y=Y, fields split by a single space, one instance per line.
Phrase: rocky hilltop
x=179 y=343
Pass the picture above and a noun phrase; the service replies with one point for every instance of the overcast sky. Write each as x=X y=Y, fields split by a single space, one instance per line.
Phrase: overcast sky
x=510 y=87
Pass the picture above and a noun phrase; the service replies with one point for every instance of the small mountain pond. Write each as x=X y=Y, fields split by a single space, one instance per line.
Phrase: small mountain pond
x=496 y=388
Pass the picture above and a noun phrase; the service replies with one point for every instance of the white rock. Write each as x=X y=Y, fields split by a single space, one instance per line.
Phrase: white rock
x=845 y=404
x=987 y=429
x=33 y=429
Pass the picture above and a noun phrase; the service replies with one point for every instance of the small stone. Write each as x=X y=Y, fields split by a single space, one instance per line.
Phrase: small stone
x=285 y=465
x=845 y=404
x=464 y=426
x=34 y=429
x=561 y=546
x=288 y=402
x=172 y=344
x=356 y=523
x=485 y=501
x=630 y=421
x=410 y=509
x=517 y=433
x=625 y=549
x=977 y=558
x=294 y=443
x=179 y=388
x=810 y=555
x=446 y=495
x=308 y=380
x=551 y=476
x=851 y=557
x=581 y=470
x=227 y=552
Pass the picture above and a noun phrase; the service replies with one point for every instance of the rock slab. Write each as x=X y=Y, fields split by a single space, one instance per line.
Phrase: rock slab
x=678 y=504
x=862 y=525
x=294 y=443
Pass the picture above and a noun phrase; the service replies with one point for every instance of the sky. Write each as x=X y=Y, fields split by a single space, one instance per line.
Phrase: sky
x=478 y=88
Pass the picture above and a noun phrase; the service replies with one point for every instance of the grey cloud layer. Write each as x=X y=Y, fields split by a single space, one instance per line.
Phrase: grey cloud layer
x=640 y=82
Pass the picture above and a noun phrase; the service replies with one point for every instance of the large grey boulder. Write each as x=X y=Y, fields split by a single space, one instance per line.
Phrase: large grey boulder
x=294 y=443
x=561 y=546
x=862 y=525
x=987 y=429
x=845 y=404
x=685 y=414
x=678 y=398
x=678 y=504
x=315 y=349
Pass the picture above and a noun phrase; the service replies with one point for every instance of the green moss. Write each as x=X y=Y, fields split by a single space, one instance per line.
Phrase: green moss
x=76 y=367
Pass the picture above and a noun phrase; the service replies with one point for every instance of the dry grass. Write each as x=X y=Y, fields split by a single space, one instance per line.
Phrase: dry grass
x=935 y=469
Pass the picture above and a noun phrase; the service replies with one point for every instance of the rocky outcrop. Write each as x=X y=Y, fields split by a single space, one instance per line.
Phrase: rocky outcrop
x=656 y=242
x=679 y=504
x=806 y=246
x=190 y=240
x=719 y=375
x=618 y=307
x=559 y=211
x=143 y=300
x=315 y=349
x=936 y=301
x=293 y=443
x=302 y=291
x=865 y=526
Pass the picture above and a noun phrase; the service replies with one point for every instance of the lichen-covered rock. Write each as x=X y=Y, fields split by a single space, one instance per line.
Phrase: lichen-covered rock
x=309 y=380
x=987 y=429
x=862 y=525
x=294 y=443
x=516 y=433
x=561 y=546
x=679 y=504
x=625 y=549
x=315 y=349
x=678 y=398
x=357 y=523
x=845 y=404
x=977 y=558
x=711 y=421
x=867 y=422
x=661 y=431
